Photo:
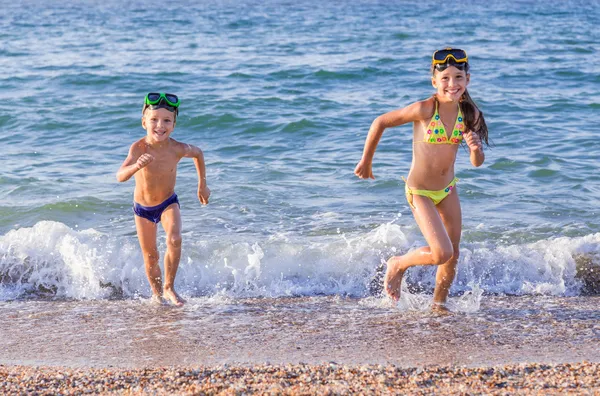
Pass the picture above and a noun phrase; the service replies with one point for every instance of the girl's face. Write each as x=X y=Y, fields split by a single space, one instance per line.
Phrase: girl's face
x=450 y=83
x=158 y=124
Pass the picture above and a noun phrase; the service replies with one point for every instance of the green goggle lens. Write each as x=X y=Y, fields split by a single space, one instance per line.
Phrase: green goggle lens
x=442 y=56
x=154 y=98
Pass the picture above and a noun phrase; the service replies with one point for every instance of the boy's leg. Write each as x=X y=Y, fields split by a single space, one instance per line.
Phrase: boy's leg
x=438 y=251
x=171 y=221
x=451 y=215
x=146 y=231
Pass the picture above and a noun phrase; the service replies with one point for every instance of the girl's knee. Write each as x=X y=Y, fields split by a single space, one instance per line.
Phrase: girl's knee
x=455 y=254
x=442 y=255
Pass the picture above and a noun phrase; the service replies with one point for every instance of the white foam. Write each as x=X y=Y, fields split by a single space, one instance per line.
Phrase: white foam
x=53 y=258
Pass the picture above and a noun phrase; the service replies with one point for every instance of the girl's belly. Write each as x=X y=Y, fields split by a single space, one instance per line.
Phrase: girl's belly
x=432 y=167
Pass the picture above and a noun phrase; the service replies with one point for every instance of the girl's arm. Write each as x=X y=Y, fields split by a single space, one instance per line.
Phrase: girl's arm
x=130 y=166
x=195 y=153
x=394 y=118
x=477 y=155
x=473 y=140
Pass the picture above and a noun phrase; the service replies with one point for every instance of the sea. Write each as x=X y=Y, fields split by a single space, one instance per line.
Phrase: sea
x=280 y=96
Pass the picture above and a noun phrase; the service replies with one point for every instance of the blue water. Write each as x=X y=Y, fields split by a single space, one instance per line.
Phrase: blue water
x=280 y=96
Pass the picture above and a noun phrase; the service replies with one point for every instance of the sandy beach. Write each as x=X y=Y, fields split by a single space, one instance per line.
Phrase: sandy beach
x=561 y=379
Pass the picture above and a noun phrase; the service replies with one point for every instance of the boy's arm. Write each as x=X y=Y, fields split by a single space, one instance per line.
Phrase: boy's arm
x=195 y=153
x=394 y=118
x=133 y=163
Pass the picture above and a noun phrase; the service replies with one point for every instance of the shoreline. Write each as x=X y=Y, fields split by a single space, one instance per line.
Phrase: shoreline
x=511 y=345
x=133 y=334
x=332 y=378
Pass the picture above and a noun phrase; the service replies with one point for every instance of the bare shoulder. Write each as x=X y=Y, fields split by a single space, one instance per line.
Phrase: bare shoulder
x=420 y=110
x=414 y=112
x=424 y=109
x=182 y=149
x=138 y=147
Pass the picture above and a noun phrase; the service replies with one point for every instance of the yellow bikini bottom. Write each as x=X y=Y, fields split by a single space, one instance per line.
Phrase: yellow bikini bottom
x=435 y=196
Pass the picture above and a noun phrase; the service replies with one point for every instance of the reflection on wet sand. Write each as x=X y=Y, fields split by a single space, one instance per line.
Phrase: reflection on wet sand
x=294 y=330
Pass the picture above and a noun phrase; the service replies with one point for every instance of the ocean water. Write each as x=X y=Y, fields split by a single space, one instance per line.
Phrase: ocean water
x=280 y=96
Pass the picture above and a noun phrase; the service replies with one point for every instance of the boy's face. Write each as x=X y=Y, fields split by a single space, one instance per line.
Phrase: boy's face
x=158 y=124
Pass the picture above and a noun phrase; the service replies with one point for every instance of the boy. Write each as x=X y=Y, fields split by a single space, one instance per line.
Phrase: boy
x=153 y=161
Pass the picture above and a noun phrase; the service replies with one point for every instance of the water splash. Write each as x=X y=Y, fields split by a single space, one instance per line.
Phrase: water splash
x=51 y=259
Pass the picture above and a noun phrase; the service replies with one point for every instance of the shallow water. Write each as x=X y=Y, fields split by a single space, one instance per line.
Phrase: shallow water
x=292 y=330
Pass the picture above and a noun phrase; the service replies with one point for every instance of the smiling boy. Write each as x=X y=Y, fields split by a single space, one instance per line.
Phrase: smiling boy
x=153 y=161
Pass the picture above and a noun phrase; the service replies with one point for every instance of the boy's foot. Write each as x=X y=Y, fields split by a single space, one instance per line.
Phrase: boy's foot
x=439 y=308
x=393 y=277
x=173 y=297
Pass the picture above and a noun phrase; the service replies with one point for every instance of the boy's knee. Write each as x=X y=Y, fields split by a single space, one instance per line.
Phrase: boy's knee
x=174 y=240
x=153 y=256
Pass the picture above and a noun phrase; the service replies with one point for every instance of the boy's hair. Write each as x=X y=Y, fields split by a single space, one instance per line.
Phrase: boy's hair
x=175 y=112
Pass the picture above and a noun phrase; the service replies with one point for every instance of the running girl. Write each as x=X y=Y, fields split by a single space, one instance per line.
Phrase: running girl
x=440 y=124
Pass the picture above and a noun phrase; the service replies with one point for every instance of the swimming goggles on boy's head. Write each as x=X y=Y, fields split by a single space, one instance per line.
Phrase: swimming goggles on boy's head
x=155 y=100
x=447 y=54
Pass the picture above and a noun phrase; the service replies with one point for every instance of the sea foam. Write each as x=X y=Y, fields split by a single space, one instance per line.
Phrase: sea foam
x=52 y=260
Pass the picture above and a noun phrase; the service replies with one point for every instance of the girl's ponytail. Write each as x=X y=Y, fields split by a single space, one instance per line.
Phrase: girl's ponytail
x=469 y=109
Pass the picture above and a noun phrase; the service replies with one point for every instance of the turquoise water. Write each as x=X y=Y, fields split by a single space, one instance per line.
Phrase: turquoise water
x=280 y=97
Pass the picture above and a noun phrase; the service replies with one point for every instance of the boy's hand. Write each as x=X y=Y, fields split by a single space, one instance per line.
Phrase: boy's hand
x=473 y=141
x=203 y=194
x=364 y=170
x=144 y=160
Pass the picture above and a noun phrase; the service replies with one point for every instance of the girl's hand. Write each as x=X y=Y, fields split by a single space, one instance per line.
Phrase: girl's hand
x=144 y=160
x=473 y=141
x=364 y=170
x=203 y=194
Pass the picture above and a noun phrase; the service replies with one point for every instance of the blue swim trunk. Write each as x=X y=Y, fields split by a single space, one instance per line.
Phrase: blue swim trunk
x=153 y=213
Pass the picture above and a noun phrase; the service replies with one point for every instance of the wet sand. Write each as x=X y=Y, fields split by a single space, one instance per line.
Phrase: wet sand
x=309 y=345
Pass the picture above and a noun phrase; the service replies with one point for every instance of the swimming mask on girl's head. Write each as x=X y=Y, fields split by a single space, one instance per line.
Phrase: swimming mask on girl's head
x=447 y=54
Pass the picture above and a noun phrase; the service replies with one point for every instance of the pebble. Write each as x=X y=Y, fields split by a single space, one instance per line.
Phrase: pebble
x=571 y=378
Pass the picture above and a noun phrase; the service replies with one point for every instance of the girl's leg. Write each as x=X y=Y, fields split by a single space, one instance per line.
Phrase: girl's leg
x=146 y=231
x=450 y=212
x=171 y=221
x=438 y=252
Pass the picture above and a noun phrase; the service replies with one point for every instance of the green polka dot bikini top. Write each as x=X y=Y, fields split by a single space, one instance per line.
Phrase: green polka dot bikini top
x=435 y=132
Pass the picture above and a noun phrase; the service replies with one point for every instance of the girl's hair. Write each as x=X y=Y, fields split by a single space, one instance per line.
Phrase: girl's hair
x=467 y=105
x=469 y=109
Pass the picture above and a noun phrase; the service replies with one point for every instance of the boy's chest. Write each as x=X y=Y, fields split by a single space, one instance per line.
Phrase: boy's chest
x=163 y=163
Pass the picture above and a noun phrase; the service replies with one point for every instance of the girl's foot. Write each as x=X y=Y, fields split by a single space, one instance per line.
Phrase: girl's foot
x=157 y=300
x=174 y=298
x=393 y=277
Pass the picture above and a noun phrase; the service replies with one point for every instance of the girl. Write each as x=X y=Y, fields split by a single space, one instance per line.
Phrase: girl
x=440 y=124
